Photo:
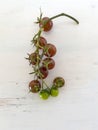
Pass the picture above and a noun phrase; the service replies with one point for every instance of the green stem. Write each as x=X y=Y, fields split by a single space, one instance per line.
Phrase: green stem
x=46 y=84
x=63 y=14
x=32 y=73
x=37 y=66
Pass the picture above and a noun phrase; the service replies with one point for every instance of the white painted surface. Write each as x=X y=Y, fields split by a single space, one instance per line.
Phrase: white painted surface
x=76 y=108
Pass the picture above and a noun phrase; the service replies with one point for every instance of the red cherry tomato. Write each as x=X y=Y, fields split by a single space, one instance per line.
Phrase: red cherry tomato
x=42 y=42
x=33 y=58
x=43 y=71
x=49 y=63
x=35 y=86
x=50 y=50
x=46 y=23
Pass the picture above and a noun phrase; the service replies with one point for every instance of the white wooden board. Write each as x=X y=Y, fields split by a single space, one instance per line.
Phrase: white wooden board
x=76 y=108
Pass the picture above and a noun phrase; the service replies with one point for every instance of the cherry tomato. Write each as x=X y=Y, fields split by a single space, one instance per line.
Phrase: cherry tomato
x=46 y=23
x=50 y=50
x=44 y=72
x=35 y=86
x=42 y=42
x=54 y=91
x=44 y=94
x=59 y=82
x=33 y=58
x=49 y=63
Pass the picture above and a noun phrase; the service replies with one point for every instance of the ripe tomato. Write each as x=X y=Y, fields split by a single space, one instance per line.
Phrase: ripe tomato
x=46 y=23
x=42 y=42
x=49 y=63
x=35 y=86
x=50 y=50
x=44 y=72
x=33 y=58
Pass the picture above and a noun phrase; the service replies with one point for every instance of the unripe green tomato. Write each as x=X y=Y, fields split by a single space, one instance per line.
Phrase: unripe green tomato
x=54 y=91
x=44 y=94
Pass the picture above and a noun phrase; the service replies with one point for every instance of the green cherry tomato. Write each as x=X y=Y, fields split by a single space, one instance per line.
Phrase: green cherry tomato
x=54 y=92
x=59 y=82
x=44 y=94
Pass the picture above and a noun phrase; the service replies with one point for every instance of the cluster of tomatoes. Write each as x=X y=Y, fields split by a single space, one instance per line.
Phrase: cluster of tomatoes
x=42 y=61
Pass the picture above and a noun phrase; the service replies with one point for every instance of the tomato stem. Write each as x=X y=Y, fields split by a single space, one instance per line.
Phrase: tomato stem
x=63 y=14
x=46 y=84
x=36 y=69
